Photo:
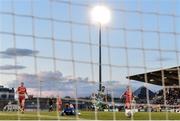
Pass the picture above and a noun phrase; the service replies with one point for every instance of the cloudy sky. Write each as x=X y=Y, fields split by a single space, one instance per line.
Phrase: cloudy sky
x=52 y=45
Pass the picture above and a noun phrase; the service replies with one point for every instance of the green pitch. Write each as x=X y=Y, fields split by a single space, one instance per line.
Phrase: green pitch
x=88 y=115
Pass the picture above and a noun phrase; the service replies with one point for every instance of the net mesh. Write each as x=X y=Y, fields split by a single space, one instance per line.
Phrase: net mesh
x=52 y=46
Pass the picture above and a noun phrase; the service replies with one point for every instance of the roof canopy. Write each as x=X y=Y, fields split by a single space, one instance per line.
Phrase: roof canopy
x=169 y=75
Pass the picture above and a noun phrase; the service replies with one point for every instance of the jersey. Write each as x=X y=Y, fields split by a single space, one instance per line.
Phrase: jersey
x=128 y=96
x=21 y=91
x=50 y=101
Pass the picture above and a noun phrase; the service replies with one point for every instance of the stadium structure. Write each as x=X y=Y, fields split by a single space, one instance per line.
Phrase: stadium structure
x=6 y=95
x=169 y=96
x=163 y=77
x=107 y=59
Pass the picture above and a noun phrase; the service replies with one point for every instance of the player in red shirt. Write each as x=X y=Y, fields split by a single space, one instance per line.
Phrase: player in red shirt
x=128 y=97
x=21 y=90
x=59 y=103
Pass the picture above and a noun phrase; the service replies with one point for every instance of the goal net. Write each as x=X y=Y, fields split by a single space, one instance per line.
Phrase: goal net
x=54 y=48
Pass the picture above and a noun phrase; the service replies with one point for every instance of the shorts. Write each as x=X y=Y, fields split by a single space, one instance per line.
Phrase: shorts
x=21 y=99
x=128 y=105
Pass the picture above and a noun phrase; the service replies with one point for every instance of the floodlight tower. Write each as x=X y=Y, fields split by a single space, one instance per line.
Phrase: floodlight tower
x=100 y=15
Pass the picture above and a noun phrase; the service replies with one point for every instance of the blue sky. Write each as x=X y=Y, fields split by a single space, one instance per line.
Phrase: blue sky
x=141 y=34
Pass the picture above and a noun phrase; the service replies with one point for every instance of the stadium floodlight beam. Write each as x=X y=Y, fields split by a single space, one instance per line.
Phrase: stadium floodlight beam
x=101 y=16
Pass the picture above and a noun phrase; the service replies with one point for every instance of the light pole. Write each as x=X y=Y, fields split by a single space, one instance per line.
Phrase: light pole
x=100 y=68
x=100 y=15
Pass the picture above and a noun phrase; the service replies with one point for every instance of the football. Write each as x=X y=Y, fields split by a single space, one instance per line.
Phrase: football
x=128 y=113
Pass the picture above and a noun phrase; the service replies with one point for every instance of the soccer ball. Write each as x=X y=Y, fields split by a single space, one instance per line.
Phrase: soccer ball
x=177 y=110
x=128 y=113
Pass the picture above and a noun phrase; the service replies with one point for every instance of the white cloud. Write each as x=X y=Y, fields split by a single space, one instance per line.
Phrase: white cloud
x=54 y=83
x=11 y=67
x=12 y=52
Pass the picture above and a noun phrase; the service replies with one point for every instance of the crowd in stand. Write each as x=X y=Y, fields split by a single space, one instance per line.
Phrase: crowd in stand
x=171 y=95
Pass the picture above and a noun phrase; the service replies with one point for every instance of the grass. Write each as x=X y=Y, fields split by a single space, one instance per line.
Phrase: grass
x=87 y=115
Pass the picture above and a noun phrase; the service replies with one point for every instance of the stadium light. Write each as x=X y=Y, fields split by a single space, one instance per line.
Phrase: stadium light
x=151 y=80
x=100 y=15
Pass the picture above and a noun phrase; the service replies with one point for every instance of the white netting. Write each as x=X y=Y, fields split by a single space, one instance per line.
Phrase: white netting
x=53 y=47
